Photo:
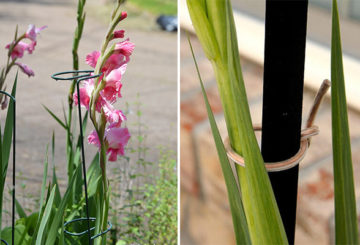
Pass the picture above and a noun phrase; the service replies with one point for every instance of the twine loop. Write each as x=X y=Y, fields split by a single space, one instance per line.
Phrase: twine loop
x=305 y=140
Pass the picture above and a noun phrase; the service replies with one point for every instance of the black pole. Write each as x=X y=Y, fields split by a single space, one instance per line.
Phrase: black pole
x=285 y=37
x=83 y=163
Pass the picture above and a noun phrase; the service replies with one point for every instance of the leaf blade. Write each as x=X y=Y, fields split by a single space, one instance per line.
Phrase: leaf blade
x=346 y=225
x=237 y=211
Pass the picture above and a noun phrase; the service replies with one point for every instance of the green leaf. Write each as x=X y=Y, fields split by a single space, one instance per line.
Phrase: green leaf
x=56 y=223
x=257 y=194
x=43 y=185
x=54 y=177
x=45 y=217
x=204 y=30
x=346 y=224
x=19 y=209
x=237 y=211
x=55 y=117
x=6 y=233
x=8 y=130
x=261 y=211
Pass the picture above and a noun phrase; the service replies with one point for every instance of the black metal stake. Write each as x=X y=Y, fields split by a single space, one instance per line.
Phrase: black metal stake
x=83 y=161
x=80 y=78
x=13 y=182
x=285 y=37
x=83 y=153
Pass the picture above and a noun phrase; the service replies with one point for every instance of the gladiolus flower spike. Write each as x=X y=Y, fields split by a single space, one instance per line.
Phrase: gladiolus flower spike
x=17 y=48
x=115 y=137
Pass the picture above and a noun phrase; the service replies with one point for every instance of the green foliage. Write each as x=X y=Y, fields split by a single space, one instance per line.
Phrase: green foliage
x=214 y=25
x=236 y=206
x=152 y=218
x=168 y=7
x=346 y=222
x=5 y=146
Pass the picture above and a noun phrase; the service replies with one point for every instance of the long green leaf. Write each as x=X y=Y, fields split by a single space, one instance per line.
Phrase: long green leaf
x=45 y=217
x=54 y=177
x=261 y=211
x=43 y=185
x=55 y=117
x=5 y=145
x=346 y=226
x=8 y=130
x=237 y=211
x=257 y=194
x=56 y=223
x=19 y=209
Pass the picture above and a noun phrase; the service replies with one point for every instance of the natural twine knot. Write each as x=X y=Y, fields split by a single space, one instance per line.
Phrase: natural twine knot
x=306 y=134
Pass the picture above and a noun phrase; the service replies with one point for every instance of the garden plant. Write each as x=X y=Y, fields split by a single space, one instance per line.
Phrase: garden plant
x=253 y=203
x=136 y=203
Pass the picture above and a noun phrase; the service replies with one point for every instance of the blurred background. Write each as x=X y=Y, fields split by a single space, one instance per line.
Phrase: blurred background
x=150 y=80
x=205 y=215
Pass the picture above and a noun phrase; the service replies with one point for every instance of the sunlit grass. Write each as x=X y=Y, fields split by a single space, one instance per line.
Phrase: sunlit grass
x=157 y=7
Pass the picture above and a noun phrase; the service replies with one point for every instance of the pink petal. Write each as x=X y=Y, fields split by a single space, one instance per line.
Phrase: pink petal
x=113 y=85
x=18 y=50
x=32 y=32
x=117 y=136
x=113 y=154
x=31 y=47
x=37 y=30
x=125 y=48
x=117 y=139
x=24 y=68
x=116 y=74
x=113 y=116
x=93 y=139
x=113 y=62
x=91 y=59
x=84 y=98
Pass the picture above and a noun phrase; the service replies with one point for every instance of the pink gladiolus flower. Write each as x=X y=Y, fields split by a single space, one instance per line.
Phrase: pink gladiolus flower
x=31 y=47
x=125 y=48
x=113 y=85
x=93 y=139
x=91 y=59
x=113 y=116
x=20 y=48
x=119 y=34
x=114 y=62
x=117 y=139
x=85 y=93
x=32 y=32
x=24 y=68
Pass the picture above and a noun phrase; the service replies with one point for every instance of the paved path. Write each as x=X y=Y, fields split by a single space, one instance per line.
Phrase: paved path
x=151 y=74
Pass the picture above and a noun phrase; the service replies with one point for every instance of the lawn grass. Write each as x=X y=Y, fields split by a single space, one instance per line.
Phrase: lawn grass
x=156 y=7
x=142 y=14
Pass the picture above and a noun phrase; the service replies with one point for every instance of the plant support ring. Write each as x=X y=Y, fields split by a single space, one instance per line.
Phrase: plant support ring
x=306 y=134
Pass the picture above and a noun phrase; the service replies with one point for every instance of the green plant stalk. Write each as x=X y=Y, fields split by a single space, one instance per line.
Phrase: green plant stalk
x=346 y=223
x=237 y=209
x=100 y=127
x=77 y=37
x=214 y=25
